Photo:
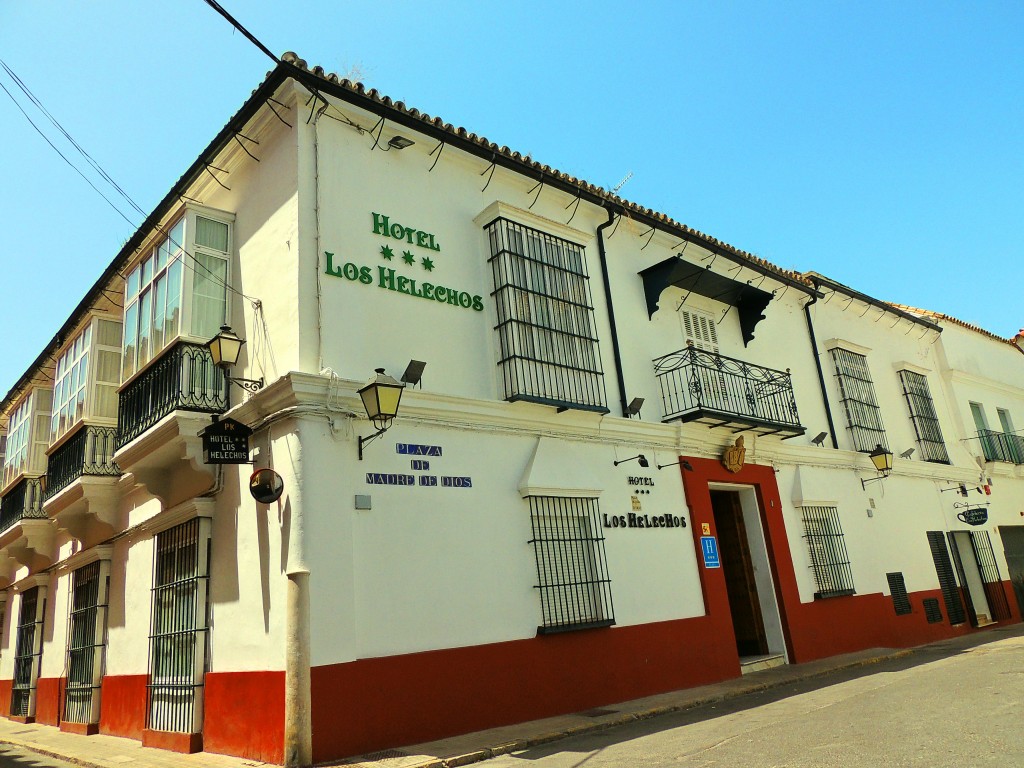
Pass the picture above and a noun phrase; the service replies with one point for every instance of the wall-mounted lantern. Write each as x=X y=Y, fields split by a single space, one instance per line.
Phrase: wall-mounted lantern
x=224 y=349
x=640 y=459
x=380 y=397
x=882 y=459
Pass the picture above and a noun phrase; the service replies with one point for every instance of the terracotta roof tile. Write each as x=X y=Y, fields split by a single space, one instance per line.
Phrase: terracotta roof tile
x=933 y=315
x=294 y=60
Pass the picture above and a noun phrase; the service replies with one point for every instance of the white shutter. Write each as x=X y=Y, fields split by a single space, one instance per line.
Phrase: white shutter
x=699 y=327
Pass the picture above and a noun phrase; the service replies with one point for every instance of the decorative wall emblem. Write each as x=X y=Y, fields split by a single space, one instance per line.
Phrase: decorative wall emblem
x=732 y=458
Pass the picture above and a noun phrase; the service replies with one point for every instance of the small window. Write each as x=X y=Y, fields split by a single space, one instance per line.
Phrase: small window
x=830 y=561
x=699 y=329
x=547 y=335
x=863 y=416
x=922 y=415
x=572 y=570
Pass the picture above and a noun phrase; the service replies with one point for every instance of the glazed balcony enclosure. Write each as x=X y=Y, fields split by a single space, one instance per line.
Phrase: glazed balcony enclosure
x=709 y=388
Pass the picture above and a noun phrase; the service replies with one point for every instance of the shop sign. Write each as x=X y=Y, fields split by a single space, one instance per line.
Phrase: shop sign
x=226 y=441
x=709 y=546
x=976 y=516
x=634 y=520
x=386 y=277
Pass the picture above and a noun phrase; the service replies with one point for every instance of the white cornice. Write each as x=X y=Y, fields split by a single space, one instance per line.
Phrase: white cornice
x=963 y=377
x=831 y=344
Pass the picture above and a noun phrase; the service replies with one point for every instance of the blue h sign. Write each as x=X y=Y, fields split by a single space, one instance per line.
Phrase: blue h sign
x=709 y=545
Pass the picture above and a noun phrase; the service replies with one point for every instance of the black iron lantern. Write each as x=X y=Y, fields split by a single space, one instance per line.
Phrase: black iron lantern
x=381 y=397
x=224 y=349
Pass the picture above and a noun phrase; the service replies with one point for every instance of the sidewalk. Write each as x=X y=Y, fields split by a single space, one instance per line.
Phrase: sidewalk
x=115 y=752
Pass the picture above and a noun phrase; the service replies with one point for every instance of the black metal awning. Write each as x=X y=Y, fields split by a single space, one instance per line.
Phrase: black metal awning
x=750 y=302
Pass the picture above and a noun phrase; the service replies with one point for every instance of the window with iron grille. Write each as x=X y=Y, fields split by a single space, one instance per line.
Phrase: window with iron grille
x=547 y=336
x=830 y=562
x=863 y=416
x=87 y=625
x=922 y=414
x=177 y=653
x=572 y=570
x=27 y=652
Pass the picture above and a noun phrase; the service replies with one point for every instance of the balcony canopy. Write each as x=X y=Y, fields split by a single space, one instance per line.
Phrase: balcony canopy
x=750 y=302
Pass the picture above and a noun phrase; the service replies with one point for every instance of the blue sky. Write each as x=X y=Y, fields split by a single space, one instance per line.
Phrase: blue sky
x=879 y=143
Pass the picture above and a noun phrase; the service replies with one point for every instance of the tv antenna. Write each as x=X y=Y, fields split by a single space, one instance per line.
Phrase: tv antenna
x=621 y=184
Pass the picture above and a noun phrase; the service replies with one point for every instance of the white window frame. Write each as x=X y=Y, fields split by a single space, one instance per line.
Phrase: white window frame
x=25 y=451
x=84 y=345
x=156 y=262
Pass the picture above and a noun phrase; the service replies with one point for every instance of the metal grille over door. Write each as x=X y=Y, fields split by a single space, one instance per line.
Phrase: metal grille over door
x=178 y=639
x=27 y=653
x=87 y=629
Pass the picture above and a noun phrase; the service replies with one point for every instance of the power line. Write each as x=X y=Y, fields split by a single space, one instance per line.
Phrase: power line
x=106 y=176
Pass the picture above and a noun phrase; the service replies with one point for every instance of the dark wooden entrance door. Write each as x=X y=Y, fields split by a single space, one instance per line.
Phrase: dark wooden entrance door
x=739 y=574
x=1013 y=548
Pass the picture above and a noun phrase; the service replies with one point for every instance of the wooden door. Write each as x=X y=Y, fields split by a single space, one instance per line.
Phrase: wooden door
x=738 y=570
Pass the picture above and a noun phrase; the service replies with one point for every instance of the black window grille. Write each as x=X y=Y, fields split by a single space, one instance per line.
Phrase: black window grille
x=932 y=611
x=86 y=643
x=924 y=418
x=547 y=335
x=898 y=590
x=947 y=579
x=27 y=652
x=572 y=569
x=177 y=655
x=830 y=561
x=863 y=416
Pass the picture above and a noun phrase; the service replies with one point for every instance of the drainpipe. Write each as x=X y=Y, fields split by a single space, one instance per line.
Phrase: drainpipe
x=817 y=365
x=298 y=723
x=611 y=311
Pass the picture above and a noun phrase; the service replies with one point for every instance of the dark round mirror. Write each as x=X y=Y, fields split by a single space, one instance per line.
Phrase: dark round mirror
x=266 y=486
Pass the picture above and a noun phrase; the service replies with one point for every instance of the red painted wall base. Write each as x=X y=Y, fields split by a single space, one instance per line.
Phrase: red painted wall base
x=81 y=729
x=372 y=704
x=175 y=742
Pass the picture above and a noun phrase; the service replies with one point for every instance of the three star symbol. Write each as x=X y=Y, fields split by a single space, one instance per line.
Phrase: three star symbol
x=427 y=264
x=386 y=252
x=408 y=258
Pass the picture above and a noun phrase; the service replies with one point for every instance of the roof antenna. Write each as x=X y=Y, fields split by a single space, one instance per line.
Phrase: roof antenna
x=621 y=184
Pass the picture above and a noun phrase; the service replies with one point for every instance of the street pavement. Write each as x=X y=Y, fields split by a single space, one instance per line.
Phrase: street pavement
x=953 y=703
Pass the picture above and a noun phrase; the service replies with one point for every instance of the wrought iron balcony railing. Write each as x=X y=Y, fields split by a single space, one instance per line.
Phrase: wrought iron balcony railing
x=89 y=452
x=723 y=391
x=1002 y=446
x=183 y=378
x=24 y=500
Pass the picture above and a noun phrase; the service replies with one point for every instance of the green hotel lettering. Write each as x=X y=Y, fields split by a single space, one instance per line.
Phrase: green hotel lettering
x=383 y=226
x=387 y=278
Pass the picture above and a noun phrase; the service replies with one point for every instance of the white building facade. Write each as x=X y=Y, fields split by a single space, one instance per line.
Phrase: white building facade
x=604 y=483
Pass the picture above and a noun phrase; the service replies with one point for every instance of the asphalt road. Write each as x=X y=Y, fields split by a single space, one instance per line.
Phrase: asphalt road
x=946 y=705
